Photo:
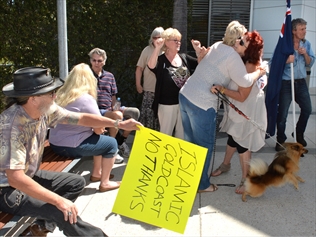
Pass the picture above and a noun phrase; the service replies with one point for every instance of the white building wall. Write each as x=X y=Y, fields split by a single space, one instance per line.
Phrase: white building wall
x=268 y=17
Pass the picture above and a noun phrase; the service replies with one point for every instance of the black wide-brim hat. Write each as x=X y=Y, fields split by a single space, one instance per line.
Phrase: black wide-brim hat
x=30 y=81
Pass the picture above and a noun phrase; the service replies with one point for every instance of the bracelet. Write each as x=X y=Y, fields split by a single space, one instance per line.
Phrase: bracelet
x=116 y=123
x=223 y=90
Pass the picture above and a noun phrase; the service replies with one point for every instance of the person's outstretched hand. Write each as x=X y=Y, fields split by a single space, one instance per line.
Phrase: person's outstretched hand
x=197 y=46
x=129 y=125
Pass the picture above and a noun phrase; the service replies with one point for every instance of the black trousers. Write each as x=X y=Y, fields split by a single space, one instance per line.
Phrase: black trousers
x=66 y=185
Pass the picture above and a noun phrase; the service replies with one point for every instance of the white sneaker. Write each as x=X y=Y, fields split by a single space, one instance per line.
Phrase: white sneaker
x=118 y=159
x=124 y=150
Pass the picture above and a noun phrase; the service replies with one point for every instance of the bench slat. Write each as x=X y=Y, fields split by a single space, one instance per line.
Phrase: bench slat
x=4 y=218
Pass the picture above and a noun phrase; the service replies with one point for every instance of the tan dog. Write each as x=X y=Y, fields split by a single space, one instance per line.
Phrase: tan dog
x=282 y=170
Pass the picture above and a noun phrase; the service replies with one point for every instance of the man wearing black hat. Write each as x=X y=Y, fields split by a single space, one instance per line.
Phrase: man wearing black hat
x=25 y=190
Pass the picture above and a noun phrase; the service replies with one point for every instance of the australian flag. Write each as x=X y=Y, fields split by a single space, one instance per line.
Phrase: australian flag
x=282 y=51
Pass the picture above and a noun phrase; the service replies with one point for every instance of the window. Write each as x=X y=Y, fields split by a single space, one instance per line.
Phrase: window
x=210 y=18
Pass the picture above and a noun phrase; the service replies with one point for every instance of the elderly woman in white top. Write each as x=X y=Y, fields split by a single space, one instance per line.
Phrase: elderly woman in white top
x=199 y=106
x=243 y=136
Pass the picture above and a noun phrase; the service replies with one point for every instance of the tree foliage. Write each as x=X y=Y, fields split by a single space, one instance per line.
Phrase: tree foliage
x=29 y=35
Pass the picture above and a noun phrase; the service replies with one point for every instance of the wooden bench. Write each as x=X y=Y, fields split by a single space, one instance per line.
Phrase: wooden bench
x=11 y=225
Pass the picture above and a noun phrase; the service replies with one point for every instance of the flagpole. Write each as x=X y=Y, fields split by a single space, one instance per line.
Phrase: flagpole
x=293 y=101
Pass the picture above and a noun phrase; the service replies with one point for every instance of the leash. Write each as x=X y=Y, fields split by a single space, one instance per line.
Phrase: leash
x=223 y=98
x=228 y=185
x=228 y=102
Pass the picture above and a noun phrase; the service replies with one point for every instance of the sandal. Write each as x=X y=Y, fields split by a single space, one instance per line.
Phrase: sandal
x=214 y=188
x=241 y=188
x=222 y=169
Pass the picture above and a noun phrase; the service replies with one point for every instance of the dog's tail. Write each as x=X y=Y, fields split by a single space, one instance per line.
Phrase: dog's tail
x=257 y=167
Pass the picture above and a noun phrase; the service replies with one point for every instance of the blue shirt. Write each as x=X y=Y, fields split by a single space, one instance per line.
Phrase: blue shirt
x=299 y=63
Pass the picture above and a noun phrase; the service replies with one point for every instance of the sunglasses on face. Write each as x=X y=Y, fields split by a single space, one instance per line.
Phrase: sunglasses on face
x=241 y=42
x=99 y=61
x=51 y=94
x=175 y=40
x=157 y=37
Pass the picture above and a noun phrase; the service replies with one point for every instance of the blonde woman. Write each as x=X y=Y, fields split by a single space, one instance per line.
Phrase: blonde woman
x=198 y=105
x=172 y=70
x=79 y=94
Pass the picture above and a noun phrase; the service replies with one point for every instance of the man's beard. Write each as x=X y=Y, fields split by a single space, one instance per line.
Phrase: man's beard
x=48 y=109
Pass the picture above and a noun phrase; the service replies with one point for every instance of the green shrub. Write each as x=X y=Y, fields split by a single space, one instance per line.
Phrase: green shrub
x=120 y=27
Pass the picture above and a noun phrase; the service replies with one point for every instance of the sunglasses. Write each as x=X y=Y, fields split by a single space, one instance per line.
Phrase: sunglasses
x=99 y=61
x=51 y=94
x=175 y=40
x=241 y=42
x=157 y=37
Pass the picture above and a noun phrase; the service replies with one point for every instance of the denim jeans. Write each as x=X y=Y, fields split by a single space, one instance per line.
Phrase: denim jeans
x=92 y=146
x=302 y=98
x=66 y=185
x=199 y=128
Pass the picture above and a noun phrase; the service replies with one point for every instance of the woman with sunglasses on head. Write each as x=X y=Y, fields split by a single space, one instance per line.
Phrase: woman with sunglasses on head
x=243 y=135
x=172 y=70
x=198 y=105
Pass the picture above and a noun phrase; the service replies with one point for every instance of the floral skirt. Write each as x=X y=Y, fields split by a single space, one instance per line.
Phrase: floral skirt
x=147 y=117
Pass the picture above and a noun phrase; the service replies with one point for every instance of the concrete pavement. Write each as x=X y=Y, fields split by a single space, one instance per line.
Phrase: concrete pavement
x=279 y=212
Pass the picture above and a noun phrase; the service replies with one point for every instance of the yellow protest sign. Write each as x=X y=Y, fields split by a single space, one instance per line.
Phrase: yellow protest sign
x=161 y=180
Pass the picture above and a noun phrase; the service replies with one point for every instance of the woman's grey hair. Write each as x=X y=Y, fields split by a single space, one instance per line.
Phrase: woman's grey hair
x=156 y=32
x=298 y=21
x=234 y=30
x=99 y=52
